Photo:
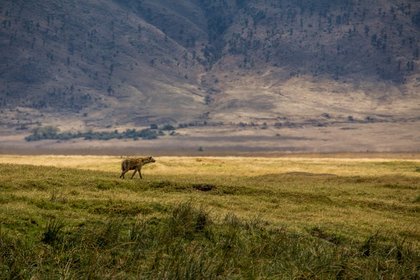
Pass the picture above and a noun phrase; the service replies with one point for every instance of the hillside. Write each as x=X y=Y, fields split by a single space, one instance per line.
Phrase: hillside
x=128 y=63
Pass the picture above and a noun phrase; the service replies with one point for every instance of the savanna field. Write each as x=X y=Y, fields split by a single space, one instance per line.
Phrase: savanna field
x=71 y=217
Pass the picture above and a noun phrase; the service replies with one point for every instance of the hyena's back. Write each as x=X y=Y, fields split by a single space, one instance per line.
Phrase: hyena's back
x=130 y=164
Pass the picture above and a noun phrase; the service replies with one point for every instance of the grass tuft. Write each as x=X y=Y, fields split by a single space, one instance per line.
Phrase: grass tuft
x=186 y=221
x=322 y=234
x=53 y=232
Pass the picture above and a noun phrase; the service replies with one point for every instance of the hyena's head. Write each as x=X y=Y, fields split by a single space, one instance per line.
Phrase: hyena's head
x=148 y=160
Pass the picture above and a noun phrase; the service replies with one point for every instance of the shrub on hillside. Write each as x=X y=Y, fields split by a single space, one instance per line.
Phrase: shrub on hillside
x=50 y=132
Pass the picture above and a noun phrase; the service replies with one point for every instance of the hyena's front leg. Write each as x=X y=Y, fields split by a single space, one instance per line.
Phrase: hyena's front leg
x=135 y=170
x=139 y=170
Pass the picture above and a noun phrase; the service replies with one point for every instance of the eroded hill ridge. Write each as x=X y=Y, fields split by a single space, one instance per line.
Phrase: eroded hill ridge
x=106 y=63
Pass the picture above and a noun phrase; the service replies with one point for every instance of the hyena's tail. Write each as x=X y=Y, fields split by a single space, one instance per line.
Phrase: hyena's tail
x=123 y=165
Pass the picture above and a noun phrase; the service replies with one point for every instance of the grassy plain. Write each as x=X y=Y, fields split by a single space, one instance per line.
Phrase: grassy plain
x=210 y=217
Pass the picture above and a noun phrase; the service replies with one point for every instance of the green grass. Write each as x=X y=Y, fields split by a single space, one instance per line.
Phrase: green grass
x=222 y=220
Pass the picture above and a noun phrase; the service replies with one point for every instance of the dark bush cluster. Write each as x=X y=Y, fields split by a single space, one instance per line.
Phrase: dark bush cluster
x=52 y=133
x=46 y=132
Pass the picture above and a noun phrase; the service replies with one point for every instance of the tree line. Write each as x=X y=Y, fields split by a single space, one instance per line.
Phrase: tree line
x=53 y=133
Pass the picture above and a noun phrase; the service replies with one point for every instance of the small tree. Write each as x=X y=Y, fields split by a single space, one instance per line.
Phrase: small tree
x=168 y=127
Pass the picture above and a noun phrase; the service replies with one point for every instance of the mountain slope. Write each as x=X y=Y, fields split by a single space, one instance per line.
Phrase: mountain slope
x=92 y=56
x=105 y=63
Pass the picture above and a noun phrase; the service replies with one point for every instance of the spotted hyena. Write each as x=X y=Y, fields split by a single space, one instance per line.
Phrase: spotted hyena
x=134 y=164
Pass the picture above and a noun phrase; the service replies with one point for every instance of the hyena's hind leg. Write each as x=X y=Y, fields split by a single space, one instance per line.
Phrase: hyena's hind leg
x=124 y=169
x=123 y=173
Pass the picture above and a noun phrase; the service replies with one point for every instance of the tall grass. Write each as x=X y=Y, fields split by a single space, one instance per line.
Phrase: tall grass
x=187 y=244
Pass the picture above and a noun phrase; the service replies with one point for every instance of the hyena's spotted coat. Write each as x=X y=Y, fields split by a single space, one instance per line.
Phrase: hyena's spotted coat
x=134 y=164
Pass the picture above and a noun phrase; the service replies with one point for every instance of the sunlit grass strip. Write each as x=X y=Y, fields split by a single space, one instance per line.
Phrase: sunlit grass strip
x=244 y=166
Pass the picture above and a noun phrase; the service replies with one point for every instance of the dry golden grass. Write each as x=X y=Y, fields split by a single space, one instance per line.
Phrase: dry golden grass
x=238 y=166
